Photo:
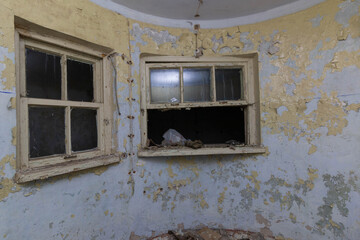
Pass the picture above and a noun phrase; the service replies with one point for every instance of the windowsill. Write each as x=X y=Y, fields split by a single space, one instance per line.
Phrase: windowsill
x=185 y=151
x=63 y=168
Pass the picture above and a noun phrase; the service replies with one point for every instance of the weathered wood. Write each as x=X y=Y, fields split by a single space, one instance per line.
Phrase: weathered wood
x=184 y=151
x=59 y=169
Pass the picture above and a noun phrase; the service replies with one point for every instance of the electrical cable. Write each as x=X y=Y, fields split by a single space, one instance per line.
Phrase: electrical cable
x=115 y=81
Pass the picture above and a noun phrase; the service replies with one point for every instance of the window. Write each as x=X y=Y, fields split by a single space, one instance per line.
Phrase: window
x=64 y=105
x=214 y=100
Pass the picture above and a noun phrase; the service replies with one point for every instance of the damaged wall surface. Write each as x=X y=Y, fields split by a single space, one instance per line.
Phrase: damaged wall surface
x=306 y=186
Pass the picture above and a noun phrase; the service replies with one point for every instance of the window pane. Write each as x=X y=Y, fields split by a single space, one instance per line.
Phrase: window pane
x=43 y=75
x=165 y=85
x=196 y=84
x=228 y=84
x=47 y=131
x=83 y=129
x=80 y=81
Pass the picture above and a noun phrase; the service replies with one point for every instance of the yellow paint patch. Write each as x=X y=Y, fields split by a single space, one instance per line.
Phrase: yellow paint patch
x=188 y=164
x=124 y=141
x=28 y=194
x=106 y=212
x=312 y=149
x=156 y=194
x=8 y=74
x=13 y=133
x=72 y=215
x=253 y=179
x=97 y=196
x=203 y=203
x=292 y=217
x=221 y=200
x=100 y=170
x=170 y=170
x=13 y=103
x=10 y=159
x=176 y=184
x=334 y=224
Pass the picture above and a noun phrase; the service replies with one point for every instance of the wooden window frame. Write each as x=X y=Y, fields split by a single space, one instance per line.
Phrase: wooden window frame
x=250 y=102
x=64 y=46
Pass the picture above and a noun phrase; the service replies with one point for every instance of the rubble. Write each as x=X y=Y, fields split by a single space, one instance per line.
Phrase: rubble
x=206 y=233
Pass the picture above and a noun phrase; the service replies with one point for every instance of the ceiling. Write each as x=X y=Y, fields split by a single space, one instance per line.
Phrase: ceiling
x=212 y=13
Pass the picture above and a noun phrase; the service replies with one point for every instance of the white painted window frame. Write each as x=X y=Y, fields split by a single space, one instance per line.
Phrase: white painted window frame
x=250 y=102
x=64 y=46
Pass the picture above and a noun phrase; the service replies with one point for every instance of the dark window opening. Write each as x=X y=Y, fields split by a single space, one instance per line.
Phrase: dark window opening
x=43 y=75
x=80 y=81
x=47 y=131
x=83 y=129
x=211 y=125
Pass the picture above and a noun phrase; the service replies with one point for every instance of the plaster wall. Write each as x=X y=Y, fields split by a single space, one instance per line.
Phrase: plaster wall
x=305 y=187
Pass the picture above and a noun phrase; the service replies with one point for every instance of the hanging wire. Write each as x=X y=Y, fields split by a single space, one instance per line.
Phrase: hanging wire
x=115 y=80
x=198 y=8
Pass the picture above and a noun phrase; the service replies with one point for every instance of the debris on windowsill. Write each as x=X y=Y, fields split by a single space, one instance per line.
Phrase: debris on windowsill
x=194 y=144
x=174 y=140
x=173 y=137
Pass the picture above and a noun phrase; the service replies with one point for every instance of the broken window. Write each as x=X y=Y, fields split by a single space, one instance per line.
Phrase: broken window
x=65 y=112
x=213 y=102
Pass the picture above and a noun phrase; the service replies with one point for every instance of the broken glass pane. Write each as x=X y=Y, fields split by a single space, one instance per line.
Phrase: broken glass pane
x=83 y=129
x=80 y=81
x=165 y=85
x=196 y=84
x=212 y=125
x=47 y=131
x=228 y=84
x=43 y=74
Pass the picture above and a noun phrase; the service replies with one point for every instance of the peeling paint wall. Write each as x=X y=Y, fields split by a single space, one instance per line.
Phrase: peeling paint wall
x=305 y=187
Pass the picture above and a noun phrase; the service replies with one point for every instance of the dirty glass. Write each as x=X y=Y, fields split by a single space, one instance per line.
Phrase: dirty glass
x=80 y=81
x=228 y=83
x=43 y=74
x=165 y=85
x=83 y=129
x=47 y=131
x=196 y=84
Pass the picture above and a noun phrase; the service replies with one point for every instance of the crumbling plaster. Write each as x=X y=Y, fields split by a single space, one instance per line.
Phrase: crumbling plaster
x=305 y=187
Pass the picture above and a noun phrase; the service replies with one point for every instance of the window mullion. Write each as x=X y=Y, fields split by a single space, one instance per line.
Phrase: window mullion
x=63 y=77
x=212 y=85
x=96 y=83
x=68 y=130
x=181 y=85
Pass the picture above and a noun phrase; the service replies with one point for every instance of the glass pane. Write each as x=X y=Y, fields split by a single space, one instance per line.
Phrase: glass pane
x=228 y=84
x=47 y=131
x=196 y=84
x=83 y=129
x=80 y=81
x=43 y=75
x=165 y=85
